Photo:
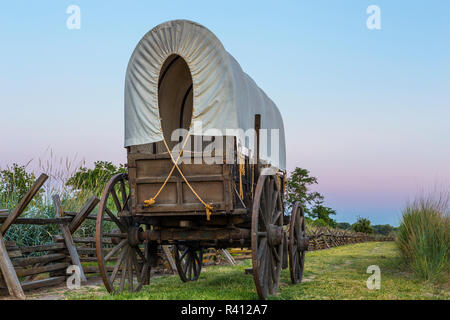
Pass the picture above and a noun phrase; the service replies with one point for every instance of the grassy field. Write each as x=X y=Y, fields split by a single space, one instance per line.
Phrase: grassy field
x=337 y=273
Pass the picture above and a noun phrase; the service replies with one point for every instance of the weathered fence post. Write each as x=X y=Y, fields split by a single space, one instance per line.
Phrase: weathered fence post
x=68 y=238
x=228 y=257
x=169 y=258
x=9 y=274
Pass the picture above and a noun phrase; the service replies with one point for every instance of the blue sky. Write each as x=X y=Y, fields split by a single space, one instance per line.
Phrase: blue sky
x=366 y=111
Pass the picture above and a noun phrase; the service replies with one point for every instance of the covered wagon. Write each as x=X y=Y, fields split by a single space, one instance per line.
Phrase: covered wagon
x=206 y=165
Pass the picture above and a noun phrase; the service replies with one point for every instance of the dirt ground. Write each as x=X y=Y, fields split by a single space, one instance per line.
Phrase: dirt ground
x=57 y=292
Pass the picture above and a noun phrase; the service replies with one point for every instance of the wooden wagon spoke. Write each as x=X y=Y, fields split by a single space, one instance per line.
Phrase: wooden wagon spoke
x=273 y=205
x=116 y=249
x=184 y=253
x=125 y=205
x=116 y=200
x=145 y=275
x=130 y=271
x=196 y=258
x=262 y=248
x=123 y=276
x=268 y=273
x=189 y=267
x=118 y=264
x=124 y=194
x=277 y=216
x=275 y=253
x=116 y=220
x=263 y=219
x=140 y=254
x=136 y=267
x=186 y=263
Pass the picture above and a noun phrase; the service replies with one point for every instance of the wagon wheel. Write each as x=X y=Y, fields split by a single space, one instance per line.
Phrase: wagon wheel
x=189 y=260
x=267 y=236
x=298 y=243
x=115 y=253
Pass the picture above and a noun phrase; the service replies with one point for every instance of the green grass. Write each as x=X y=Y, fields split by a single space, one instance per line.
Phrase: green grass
x=337 y=273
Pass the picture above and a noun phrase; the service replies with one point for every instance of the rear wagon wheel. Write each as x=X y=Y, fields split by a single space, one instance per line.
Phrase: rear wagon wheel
x=121 y=264
x=267 y=236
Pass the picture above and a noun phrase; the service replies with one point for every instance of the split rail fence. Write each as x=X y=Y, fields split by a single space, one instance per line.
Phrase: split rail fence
x=25 y=268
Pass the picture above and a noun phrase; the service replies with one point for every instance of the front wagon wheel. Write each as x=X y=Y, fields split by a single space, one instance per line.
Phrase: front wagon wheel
x=298 y=243
x=122 y=265
x=189 y=261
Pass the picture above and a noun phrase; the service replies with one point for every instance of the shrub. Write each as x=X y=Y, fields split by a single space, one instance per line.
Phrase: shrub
x=423 y=236
x=92 y=181
x=362 y=225
x=15 y=182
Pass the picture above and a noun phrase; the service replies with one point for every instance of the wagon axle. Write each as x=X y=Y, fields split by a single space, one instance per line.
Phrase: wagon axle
x=138 y=236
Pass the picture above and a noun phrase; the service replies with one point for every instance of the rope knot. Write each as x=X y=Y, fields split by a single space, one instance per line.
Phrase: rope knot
x=149 y=202
x=208 y=209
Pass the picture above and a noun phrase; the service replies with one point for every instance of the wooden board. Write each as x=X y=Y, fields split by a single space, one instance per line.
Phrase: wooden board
x=84 y=212
x=23 y=203
x=9 y=274
x=67 y=235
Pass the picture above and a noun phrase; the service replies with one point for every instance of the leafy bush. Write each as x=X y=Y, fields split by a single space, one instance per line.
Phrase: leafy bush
x=343 y=225
x=15 y=182
x=384 y=229
x=74 y=189
x=322 y=215
x=93 y=181
x=362 y=225
x=423 y=236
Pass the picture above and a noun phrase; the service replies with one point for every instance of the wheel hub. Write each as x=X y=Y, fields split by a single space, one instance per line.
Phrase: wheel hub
x=133 y=236
x=275 y=235
x=115 y=240
x=303 y=244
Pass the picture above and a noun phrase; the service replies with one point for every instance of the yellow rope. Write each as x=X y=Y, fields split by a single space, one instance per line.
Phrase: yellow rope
x=151 y=201
x=278 y=181
x=209 y=208
x=286 y=187
x=241 y=173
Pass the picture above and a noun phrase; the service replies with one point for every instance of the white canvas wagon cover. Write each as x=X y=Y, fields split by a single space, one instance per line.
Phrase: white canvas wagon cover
x=223 y=96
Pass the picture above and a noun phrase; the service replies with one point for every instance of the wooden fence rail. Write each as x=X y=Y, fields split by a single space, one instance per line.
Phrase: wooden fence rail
x=320 y=238
x=21 y=265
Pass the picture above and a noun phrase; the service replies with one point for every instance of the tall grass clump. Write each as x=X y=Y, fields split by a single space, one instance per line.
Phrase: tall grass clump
x=423 y=236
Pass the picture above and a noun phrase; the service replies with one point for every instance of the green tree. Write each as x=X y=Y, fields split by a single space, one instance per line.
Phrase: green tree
x=362 y=225
x=320 y=212
x=93 y=180
x=299 y=184
x=15 y=182
x=343 y=225
x=384 y=229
